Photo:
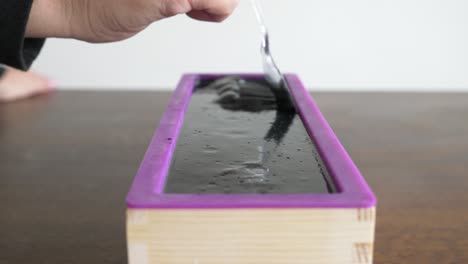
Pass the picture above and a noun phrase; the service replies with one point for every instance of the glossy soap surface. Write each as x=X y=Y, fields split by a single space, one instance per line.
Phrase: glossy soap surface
x=235 y=140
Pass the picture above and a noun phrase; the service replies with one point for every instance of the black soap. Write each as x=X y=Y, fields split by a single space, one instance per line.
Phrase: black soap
x=235 y=139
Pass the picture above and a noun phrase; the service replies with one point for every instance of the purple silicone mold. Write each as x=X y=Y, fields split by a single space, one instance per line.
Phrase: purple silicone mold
x=147 y=190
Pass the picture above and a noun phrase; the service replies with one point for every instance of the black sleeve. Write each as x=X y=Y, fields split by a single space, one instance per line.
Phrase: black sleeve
x=16 y=50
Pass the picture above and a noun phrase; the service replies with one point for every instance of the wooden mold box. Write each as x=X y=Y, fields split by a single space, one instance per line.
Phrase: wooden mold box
x=210 y=227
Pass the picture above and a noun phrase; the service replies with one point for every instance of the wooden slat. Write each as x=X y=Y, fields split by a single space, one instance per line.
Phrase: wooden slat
x=250 y=236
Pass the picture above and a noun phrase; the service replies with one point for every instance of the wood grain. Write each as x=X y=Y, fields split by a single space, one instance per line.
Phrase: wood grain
x=249 y=236
x=67 y=161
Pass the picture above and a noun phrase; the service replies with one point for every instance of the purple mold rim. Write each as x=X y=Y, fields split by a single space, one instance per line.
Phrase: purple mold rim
x=147 y=190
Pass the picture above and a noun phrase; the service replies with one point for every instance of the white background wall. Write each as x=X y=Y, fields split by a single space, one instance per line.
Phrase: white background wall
x=331 y=44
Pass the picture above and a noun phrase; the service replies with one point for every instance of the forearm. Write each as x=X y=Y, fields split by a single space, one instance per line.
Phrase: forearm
x=49 y=18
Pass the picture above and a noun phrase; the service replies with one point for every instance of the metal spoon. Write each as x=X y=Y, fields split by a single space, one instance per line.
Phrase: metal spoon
x=272 y=73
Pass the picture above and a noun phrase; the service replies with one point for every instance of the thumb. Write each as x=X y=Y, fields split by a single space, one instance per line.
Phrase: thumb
x=16 y=84
x=212 y=10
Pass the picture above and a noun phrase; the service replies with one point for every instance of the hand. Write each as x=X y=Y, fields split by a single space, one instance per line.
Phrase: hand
x=16 y=84
x=113 y=20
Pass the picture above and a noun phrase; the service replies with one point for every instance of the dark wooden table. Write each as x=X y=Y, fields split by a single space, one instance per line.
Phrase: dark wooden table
x=67 y=161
